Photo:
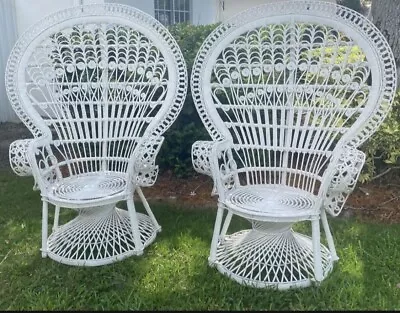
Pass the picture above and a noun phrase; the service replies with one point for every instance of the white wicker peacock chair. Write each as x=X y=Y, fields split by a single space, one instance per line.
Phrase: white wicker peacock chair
x=97 y=86
x=287 y=92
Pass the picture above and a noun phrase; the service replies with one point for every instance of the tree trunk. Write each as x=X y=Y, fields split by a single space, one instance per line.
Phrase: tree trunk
x=356 y=5
x=386 y=16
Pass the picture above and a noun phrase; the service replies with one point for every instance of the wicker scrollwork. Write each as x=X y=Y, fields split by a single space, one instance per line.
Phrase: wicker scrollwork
x=201 y=151
x=344 y=180
x=223 y=171
x=145 y=163
x=227 y=169
x=18 y=157
x=47 y=165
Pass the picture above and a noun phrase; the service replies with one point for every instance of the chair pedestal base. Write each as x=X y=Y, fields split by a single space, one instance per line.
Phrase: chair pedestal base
x=99 y=236
x=280 y=259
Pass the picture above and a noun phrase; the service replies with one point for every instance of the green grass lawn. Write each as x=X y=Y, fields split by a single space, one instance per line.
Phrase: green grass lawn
x=173 y=273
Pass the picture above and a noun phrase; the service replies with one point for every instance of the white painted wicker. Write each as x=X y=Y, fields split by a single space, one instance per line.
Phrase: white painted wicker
x=97 y=86
x=287 y=91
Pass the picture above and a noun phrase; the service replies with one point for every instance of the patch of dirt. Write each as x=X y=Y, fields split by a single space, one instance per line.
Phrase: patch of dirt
x=378 y=201
x=192 y=192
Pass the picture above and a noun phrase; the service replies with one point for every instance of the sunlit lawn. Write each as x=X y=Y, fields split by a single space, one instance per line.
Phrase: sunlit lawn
x=174 y=274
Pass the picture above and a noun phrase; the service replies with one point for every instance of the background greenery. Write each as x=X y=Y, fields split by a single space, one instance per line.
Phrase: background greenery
x=175 y=151
x=383 y=148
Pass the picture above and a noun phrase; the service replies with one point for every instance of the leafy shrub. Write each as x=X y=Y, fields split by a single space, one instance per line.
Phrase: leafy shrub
x=383 y=148
x=175 y=151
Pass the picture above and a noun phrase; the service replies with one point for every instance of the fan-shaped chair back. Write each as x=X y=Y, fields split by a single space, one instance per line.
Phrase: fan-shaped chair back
x=97 y=80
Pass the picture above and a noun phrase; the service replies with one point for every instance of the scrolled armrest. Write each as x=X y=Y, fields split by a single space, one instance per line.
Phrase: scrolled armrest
x=33 y=157
x=44 y=164
x=18 y=157
x=214 y=158
x=343 y=177
x=201 y=152
x=144 y=165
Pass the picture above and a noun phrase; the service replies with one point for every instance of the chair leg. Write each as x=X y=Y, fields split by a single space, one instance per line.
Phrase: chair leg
x=134 y=225
x=316 y=235
x=328 y=235
x=227 y=222
x=56 y=217
x=45 y=213
x=148 y=210
x=216 y=235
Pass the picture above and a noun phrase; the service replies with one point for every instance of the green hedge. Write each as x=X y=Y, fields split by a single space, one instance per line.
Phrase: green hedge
x=382 y=149
x=175 y=151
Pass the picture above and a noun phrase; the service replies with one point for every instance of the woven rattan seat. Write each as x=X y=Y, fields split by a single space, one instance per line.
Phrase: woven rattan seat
x=93 y=186
x=271 y=202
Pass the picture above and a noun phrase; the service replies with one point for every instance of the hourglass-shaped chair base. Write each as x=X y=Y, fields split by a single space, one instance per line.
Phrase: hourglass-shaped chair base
x=261 y=259
x=97 y=238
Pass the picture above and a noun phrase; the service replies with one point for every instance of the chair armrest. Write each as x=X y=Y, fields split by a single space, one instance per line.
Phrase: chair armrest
x=214 y=158
x=342 y=176
x=18 y=157
x=44 y=164
x=146 y=171
x=201 y=152
x=19 y=162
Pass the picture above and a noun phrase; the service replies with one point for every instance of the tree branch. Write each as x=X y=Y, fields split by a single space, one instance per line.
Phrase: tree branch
x=385 y=172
